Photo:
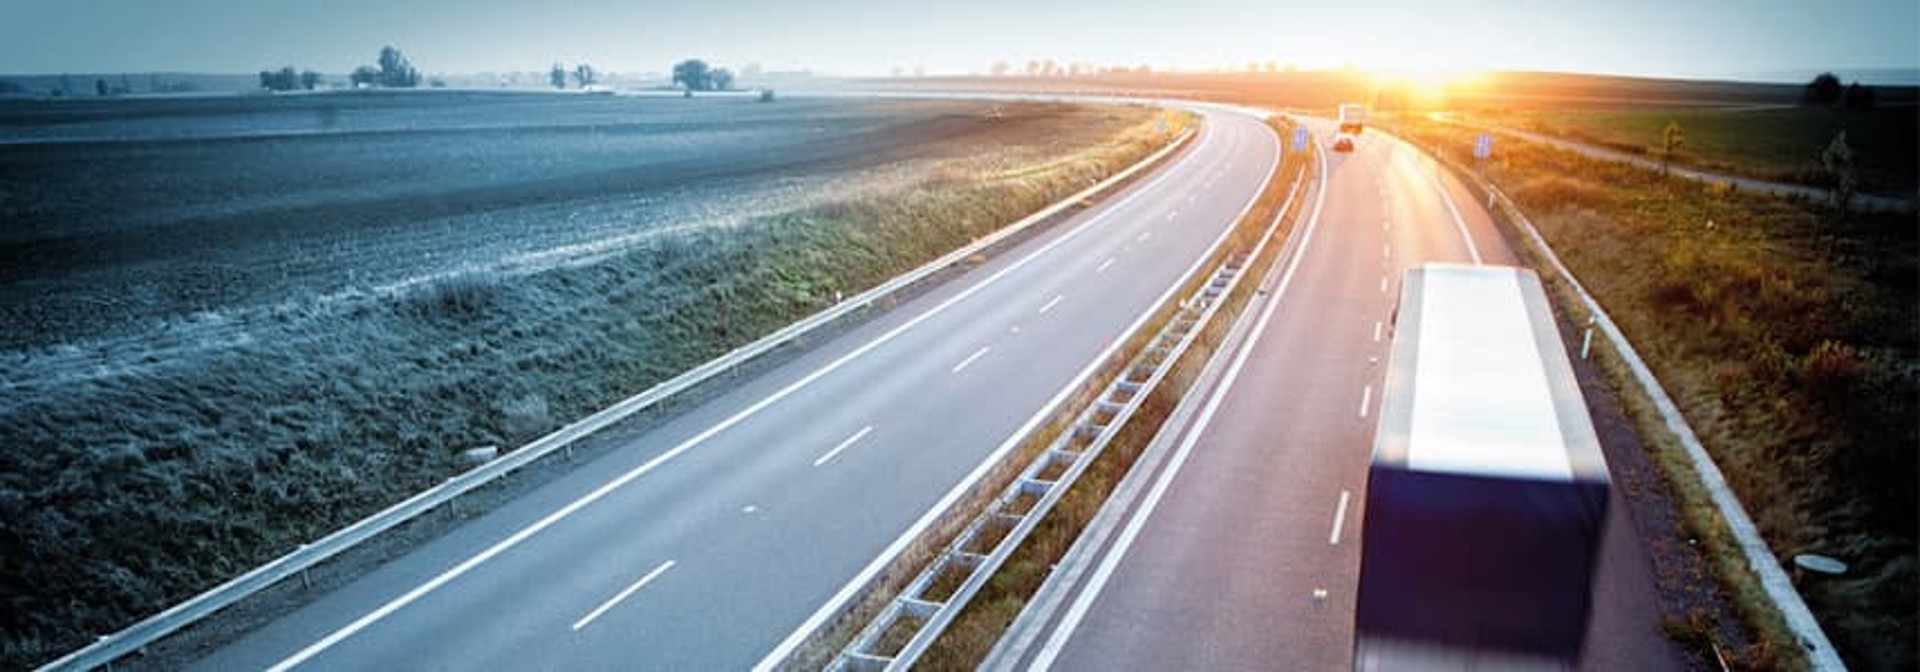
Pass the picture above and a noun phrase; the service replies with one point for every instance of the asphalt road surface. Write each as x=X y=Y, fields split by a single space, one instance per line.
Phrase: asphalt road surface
x=705 y=544
x=1244 y=552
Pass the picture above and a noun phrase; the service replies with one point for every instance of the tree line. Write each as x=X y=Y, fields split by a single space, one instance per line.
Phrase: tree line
x=1826 y=91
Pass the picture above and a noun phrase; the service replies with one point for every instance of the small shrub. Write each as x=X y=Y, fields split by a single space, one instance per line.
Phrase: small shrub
x=1831 y=370
x=461 y=298
x=525 y=417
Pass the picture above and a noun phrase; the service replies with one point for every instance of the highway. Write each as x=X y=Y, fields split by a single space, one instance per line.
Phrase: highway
x=1241 y=551
x=712 y=540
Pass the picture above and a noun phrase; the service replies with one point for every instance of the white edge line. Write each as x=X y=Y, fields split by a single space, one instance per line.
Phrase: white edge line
x=1084 y=601
x=1339 y=518
x=1459 y=224
x=637 y=585
x=501 y=546
x=982 y=352
x=857 y=436
x=793 y=641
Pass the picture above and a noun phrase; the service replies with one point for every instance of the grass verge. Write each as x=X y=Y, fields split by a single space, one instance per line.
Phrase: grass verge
x=129 y=490
x=1787 y=335
x=1780 y=144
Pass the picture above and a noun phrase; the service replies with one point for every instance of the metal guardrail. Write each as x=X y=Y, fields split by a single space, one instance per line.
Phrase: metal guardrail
x=1773 y=579
x=922 y=608
x=145 y=632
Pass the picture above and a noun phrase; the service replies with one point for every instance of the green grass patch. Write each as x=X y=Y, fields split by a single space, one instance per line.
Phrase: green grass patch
x=1791 y=340
x=1782 y=144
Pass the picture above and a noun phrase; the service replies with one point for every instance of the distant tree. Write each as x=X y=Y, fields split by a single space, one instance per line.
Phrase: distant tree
x=1859 y=97
x=1824 y=90
x=100 y=87
x=395 y=71
x=1000 y=68
x=694 y=74
x=1671 y=138
x=721 y=79
x=437 y=82
x=8 y=86
x=1033 y=68
x=284 y=79
x=365 y=75
x=585 y=75
x=751 y=72
x=1837 y=159
x=557 y=76
x=309 y=80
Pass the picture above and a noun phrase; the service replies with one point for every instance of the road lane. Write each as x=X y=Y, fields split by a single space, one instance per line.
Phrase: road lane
x=759 y=536
x=1250 y=560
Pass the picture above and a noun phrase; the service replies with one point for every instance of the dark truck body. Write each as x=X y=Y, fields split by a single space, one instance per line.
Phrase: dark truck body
x=1487 y=495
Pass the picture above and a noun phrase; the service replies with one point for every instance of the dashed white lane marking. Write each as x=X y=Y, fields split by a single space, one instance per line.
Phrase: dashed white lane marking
x=1172 y=214
x=1366 y=400
x=969 y=360
x=857 y=436
x=1144 y=235
x=1376 y=332
x=1057 y=298
x=1386 y=251
x=1339 y=518
x=1104 y=265
x=637 y=585
x=749 y=508
x=1383 y=283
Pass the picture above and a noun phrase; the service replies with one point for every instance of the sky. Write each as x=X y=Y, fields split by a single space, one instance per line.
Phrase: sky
x=1673 y=38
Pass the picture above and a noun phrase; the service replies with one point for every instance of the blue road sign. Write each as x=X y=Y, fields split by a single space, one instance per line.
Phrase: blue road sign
x=1482 y=145
x=1299 y=139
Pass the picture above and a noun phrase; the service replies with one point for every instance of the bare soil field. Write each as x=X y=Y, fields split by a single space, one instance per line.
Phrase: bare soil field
x=235 y=324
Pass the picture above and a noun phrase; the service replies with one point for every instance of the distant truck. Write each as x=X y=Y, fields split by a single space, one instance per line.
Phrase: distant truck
x=1353 y=117
x=1487 y=495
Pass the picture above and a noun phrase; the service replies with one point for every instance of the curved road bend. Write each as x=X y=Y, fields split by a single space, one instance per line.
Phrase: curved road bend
x=1263 y=511
x=703 y=544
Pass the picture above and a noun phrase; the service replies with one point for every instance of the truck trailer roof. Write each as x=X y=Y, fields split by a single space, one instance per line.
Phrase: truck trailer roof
x=1485 y=387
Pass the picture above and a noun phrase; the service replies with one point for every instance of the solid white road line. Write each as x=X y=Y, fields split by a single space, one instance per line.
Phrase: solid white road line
x=1366 y=400
x=1057 y=298
x=829 y=455
x=597 y=494
x=637 y=585
x=969 y=360
x=1459 y=224
x=1057 y=641
x=833 y=605
x=1104 y=265
x=1339 y=518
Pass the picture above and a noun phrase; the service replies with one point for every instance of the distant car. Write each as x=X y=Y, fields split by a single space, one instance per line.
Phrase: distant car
x=1343 y=142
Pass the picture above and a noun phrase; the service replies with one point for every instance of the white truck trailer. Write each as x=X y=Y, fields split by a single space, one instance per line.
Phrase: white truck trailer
x=1487 y=495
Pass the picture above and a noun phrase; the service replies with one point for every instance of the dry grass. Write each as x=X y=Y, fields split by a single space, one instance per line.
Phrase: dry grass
x=129 y=493
x=1788 y=336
